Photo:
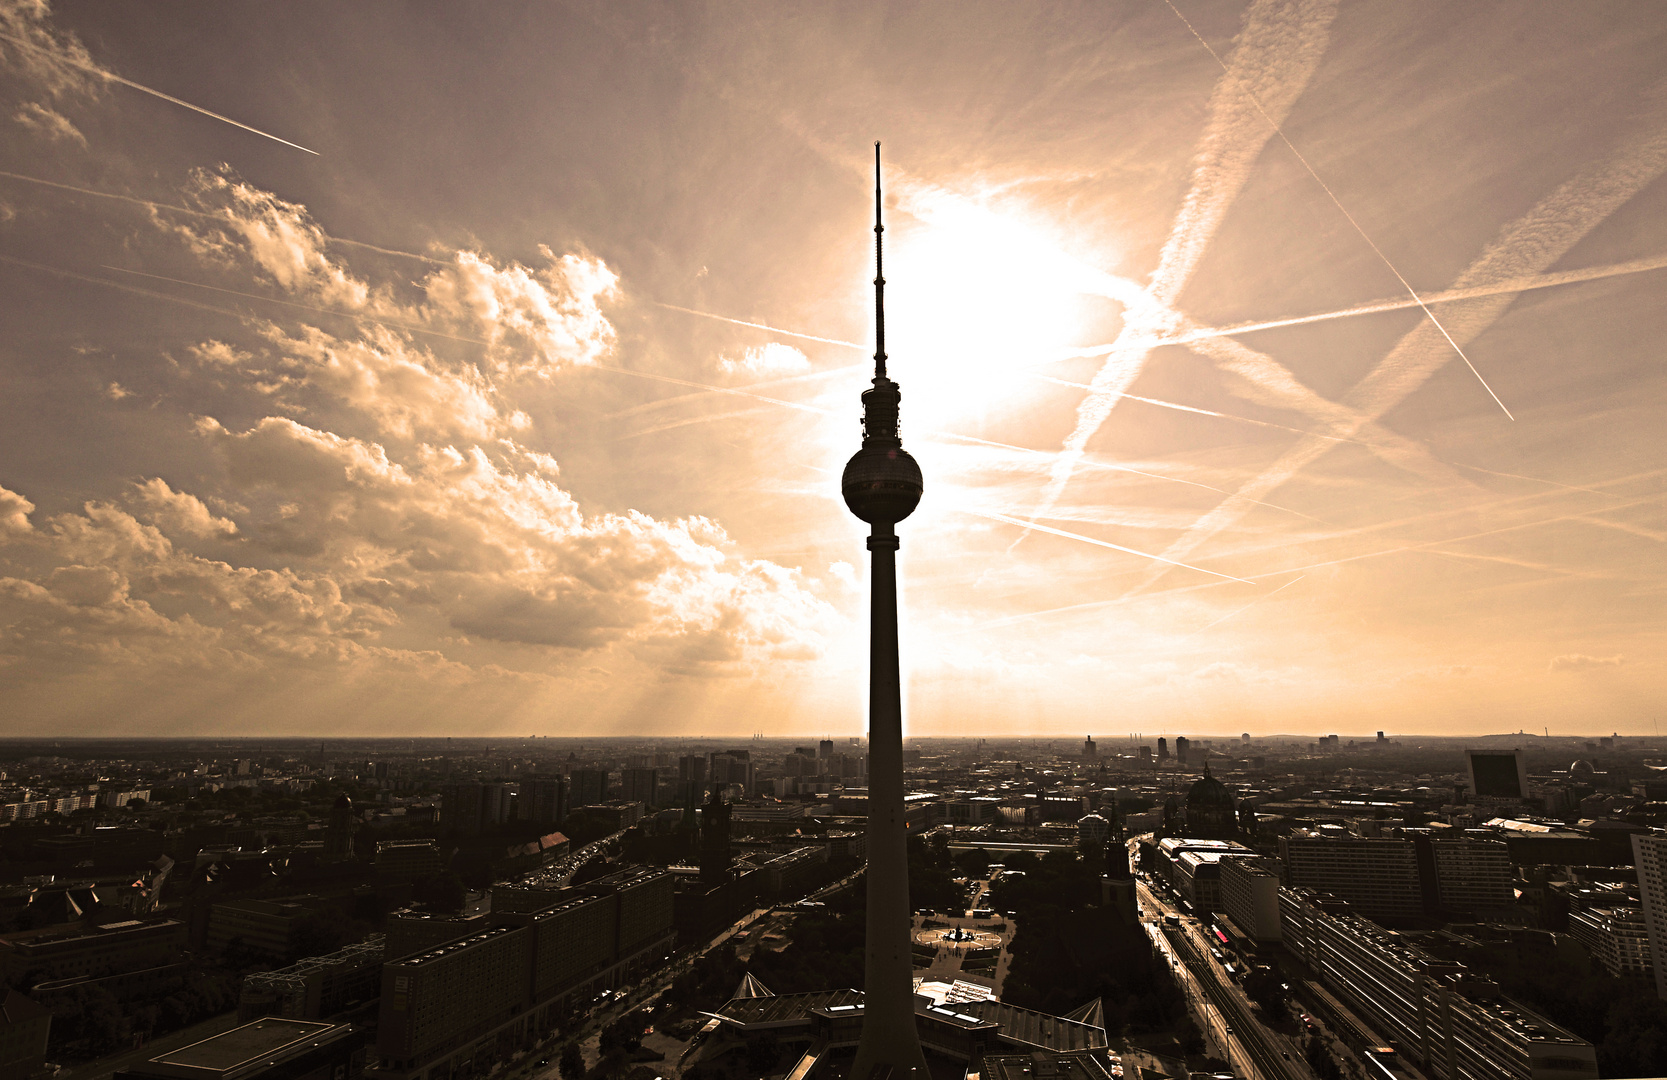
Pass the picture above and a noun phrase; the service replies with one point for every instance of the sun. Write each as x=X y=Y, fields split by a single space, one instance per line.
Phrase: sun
x=976 y=300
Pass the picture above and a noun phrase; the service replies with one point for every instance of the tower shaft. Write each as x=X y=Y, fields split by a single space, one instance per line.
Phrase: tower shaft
x=890 y=1043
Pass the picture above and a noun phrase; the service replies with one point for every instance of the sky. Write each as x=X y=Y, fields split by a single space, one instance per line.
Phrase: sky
x=1282 y=366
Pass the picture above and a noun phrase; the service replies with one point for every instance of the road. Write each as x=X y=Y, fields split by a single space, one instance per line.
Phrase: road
x=1252 y=1049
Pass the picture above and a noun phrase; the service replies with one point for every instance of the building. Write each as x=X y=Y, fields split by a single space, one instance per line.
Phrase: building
x=1181 y=744
x=472 y=807
x=466 y=1003
x=1198 y=875
x=543 y=799
x=1090 y=752
x=641 y=785
x=1649 y=855
x=1472 y=874
x=1378 y=877
x=1497 y=774
x=408 y=858
x=273 y=1048
x=587 y=787
x=84 y=951
x=1431 y=1008
x=1250 y=896
x=1617 y=937
x=1092 y=829
x=316 y=987
x=1212 y=813
x=267 y=927
x=25 y=1028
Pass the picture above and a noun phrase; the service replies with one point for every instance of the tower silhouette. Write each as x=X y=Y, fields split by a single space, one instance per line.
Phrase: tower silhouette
x=882 y=485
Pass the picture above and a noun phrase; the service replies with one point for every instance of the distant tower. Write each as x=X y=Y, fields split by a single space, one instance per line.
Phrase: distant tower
x=882 y=485
x=714 y=838
x=1163 y=748
x=1181 y=744
x=338 y=839
x=1089 y=750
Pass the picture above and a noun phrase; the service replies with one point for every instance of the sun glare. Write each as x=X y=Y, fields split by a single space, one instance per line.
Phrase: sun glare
x=975 y=299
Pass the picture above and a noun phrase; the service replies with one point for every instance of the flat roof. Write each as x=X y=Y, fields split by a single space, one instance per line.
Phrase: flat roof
x=241 y=1046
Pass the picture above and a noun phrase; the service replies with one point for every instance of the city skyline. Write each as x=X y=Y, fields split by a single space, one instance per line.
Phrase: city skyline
x=492 y=374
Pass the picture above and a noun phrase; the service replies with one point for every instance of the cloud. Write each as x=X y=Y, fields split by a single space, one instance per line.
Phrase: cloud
x=48 y=123
x=766 y=360
x=55 y=64
x=1582 y=662
x=532 y=321
x=278 y=238
x=403 y=388
x=179 y=514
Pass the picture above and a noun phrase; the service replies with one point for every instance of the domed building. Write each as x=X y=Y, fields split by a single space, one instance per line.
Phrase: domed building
x=1212 y=813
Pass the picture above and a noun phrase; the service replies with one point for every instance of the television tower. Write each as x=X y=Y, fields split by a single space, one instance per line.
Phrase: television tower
x=882 y=486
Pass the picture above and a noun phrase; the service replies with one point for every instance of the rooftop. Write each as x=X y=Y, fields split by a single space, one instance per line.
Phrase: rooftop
x=263 y=1039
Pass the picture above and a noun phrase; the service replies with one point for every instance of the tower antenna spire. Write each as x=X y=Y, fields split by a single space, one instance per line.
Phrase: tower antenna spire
x=879 y=273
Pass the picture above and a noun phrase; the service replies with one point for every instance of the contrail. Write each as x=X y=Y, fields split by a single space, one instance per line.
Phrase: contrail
x=761 y=326
x=1240 y=611
x=1106 y=466
x=359 y=316
x=1278 y=51
x=1449 y=540
x=134 y=289
x=113 y=77
x=662 y=403
x=1527 y=245
x=1541 y=281
x=171 y=208
x=1280 y=131
x=1021 y=523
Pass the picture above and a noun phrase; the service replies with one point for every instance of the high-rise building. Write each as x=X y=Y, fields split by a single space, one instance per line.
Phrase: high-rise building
x=587 y=787
x=468 y=808
x=1617 y=937
x=1181 y=744
x=641 y=785
x=1163 y=748
x=1250 y=896
x=1089 y=750
x=1497 y=774
x=1649 y=856
x=824 y=749
x=544 y=799
x=882 y=485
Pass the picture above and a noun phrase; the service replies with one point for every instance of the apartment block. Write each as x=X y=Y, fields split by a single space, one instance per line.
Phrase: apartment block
x=462 y=1005
x=1453 y=1024
x=1379 y=878
x=1250 y=896
x=1617 y=937
x=1649 y=855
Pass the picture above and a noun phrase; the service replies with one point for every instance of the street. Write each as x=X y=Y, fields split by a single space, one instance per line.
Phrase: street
x=1251 y=1048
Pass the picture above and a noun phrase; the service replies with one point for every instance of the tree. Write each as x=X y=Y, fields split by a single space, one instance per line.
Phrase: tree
x=571 y=1065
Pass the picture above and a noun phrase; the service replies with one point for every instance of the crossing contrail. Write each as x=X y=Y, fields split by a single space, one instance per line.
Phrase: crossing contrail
x=1539 y=281
x=1278 y=50
x=1280 y=131
x=113 y=77
x=1524 y=247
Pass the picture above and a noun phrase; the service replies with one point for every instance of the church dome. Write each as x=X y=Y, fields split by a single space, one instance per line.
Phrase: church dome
x=1208 y=793
x=1211 y=811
